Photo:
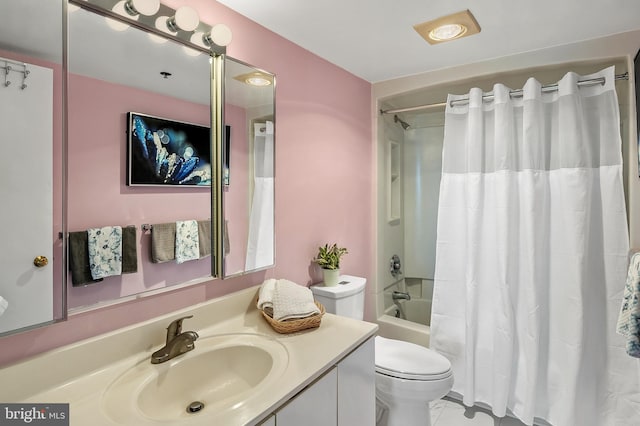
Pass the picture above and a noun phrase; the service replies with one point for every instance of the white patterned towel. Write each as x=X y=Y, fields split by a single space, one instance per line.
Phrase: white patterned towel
x=105 y=251
x=629 y=319
x=291 y=301
x=3 y=305
x=187 y=246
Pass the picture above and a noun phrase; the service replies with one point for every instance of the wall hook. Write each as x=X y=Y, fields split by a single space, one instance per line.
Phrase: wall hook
x=25 y=73
x=7 y=70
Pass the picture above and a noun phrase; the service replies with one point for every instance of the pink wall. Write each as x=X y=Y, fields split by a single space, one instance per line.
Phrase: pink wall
x=324 y=182
x=97 y=192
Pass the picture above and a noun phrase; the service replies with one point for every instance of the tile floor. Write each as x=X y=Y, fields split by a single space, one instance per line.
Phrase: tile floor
x=449 y=412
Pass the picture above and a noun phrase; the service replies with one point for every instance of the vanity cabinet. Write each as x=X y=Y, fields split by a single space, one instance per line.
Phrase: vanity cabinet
x=344 y=396
x=323 y=377
x=317 y=405
x=357 y=387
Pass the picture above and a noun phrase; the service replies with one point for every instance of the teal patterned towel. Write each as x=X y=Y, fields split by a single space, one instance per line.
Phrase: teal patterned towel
x=187 y=246
x=105 y=251
x=629 y=319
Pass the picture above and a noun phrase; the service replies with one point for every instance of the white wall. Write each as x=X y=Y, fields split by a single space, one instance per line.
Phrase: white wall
x=422 y=173
x=389 y=232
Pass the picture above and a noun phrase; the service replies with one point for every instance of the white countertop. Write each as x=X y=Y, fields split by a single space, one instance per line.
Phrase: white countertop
x=80 y=373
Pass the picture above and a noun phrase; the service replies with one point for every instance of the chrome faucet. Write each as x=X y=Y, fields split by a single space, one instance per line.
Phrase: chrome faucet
x=396 y=295
x=177 y=342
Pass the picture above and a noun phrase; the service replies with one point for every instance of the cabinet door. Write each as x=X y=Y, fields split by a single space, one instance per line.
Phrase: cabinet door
x=357 y=387
x=317 y=405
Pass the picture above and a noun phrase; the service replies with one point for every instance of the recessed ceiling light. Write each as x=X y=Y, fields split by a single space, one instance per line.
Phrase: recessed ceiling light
x=447 y=32
x=450 y=27
x=256 y=78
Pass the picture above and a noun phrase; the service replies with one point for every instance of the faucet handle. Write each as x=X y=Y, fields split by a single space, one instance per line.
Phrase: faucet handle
x=175 y=327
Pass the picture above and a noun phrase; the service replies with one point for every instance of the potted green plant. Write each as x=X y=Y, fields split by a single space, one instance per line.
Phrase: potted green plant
x=328 y=258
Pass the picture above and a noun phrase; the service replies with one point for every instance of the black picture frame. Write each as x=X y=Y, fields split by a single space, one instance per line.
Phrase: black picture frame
x=165 y=152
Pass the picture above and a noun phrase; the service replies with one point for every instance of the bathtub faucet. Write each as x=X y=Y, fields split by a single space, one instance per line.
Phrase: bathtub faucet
x=397 y=295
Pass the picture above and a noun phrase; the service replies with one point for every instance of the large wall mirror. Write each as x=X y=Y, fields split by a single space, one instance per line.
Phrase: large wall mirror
x=138 y=156
x=31 y=289
x=121 y=82
x=248 y=174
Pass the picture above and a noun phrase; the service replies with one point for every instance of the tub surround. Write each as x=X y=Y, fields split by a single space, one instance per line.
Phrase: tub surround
x=84 y=370
x=401 y=329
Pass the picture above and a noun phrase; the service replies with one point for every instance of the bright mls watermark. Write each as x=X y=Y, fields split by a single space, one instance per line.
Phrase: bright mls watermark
x=34 y=414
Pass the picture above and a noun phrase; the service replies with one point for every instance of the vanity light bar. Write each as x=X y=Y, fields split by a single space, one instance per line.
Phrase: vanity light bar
x=177 y=25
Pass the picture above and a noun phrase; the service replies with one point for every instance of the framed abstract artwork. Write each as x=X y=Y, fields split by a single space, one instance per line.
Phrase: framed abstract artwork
x=166 y=152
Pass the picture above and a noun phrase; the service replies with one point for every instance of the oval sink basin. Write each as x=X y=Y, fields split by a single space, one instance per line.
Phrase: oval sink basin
x=222 y=373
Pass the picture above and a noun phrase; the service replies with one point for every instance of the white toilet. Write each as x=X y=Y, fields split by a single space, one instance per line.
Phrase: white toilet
x=408 y=376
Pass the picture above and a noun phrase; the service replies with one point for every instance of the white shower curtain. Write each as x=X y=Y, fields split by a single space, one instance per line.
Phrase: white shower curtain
x=532 y=251
x=261 y=221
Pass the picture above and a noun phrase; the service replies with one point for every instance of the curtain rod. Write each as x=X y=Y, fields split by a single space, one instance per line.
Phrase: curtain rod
x=489 y=96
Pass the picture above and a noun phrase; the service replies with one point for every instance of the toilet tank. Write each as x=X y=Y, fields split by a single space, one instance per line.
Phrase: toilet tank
x=345 y=299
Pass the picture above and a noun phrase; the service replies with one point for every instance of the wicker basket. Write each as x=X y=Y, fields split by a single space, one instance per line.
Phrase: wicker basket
x=291 y=326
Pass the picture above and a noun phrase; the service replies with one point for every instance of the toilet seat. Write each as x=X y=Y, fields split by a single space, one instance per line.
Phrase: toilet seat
x=409 y=361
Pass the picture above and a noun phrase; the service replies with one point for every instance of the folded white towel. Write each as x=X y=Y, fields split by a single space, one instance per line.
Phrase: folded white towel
x=187 y=245
x=3 y=305
x=265 y=296
x=105 y=251
x=291 y=301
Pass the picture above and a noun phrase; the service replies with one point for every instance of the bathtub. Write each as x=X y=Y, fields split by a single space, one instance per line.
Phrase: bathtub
x=413 y=324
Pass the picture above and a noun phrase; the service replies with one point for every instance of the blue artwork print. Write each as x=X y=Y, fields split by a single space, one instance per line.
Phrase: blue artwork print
x=166 y=152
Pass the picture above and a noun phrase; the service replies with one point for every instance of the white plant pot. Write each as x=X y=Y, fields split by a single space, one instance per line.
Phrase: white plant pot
x=331 y=277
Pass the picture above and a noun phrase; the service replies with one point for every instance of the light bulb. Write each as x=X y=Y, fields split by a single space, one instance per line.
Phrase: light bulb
x=142 y=7
x=198 y=38
x=447 y=32
x=257 y=81
x=161 y=24
x=185 y=19
x=220 y=34
x=119 y=8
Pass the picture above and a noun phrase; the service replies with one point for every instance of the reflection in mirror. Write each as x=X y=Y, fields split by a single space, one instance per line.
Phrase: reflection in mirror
x=115 y=70
x=248 y=197
x=31 y=290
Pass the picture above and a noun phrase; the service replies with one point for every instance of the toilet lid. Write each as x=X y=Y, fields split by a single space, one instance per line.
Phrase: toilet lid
x=406 y=360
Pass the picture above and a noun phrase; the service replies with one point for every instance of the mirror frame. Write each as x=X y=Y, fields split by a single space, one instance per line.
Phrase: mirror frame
x=217 y=124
